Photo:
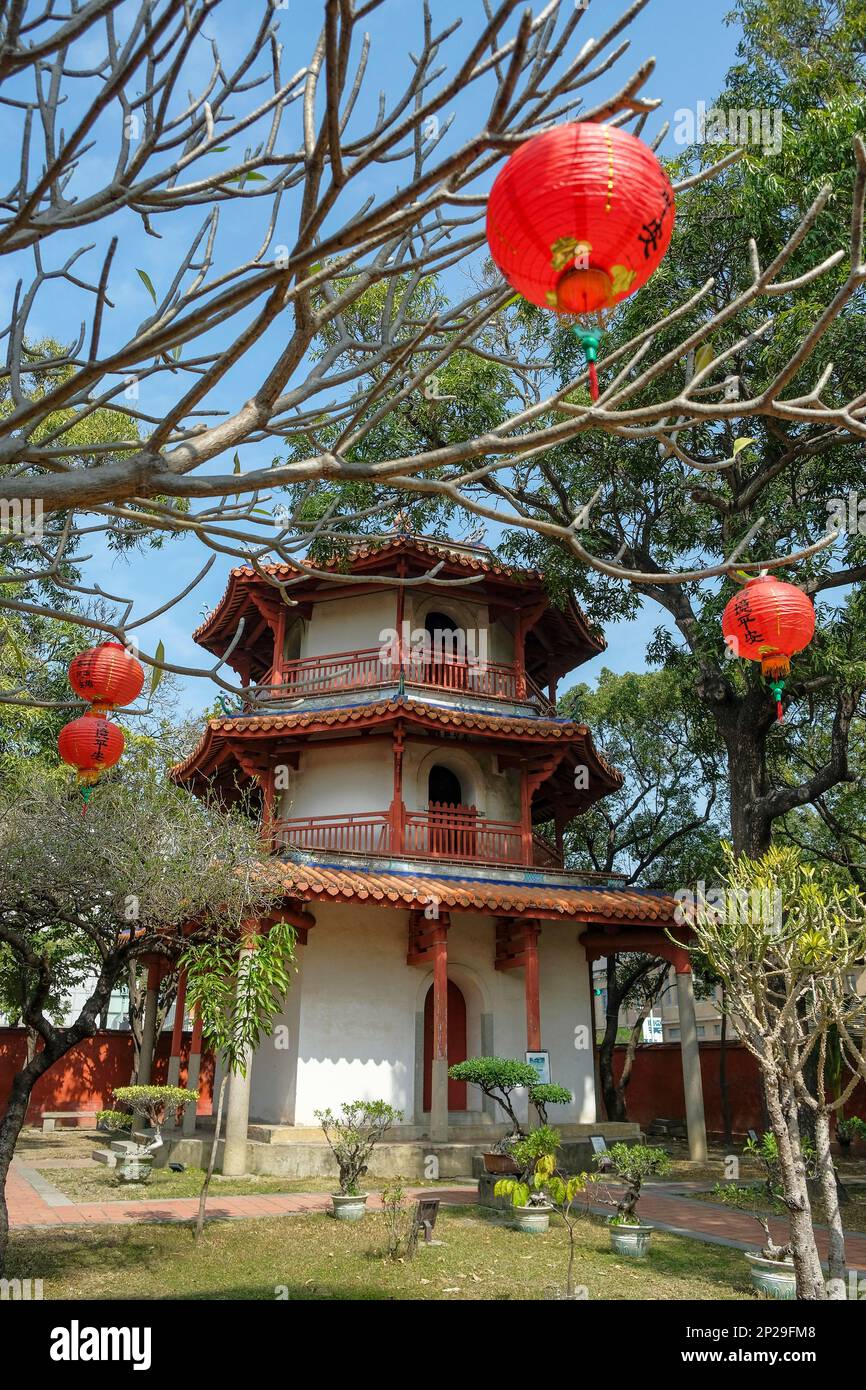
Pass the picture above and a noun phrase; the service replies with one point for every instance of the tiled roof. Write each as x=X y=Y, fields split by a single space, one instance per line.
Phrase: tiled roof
x=371 y=712
x=473 y=560
x=470 y=560
x=584 y=903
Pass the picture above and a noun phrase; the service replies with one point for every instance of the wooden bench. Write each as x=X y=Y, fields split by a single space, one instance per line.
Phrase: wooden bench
x=50 y=1118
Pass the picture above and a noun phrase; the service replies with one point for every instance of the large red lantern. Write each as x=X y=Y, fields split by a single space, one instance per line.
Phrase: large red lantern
x=769 y=621
x=108 y=676
x=579 y=218
x=90 y=744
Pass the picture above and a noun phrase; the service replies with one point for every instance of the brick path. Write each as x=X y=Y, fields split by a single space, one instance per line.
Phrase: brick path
x=34 y=1201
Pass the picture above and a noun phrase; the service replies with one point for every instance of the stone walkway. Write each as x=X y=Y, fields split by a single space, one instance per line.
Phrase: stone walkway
x=35 y=1201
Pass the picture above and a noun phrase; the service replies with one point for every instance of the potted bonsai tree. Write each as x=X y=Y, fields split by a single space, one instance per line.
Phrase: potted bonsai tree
x=631 y=1163
x=352 y=1135
x=771 y=1269
x=499 y=1078
x=559 y=1192
x=153 y=1104
x=114 y=1121
x=848 y=1128
x=535 y=1157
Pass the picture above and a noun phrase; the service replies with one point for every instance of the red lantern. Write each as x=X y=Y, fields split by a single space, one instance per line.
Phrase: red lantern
x=108 y=676
x=91 y=744
x=579 y=218
x=768 y=621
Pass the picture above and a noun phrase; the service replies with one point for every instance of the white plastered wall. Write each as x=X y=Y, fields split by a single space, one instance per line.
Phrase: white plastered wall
x=352 y=1019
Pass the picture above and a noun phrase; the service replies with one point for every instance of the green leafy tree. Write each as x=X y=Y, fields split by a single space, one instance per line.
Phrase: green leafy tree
x=787 y=973
x=239 y=983
x=125 y=881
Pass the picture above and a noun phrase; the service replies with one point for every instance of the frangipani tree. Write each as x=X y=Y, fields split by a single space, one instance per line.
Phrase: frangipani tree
x=788 y=944
x=238 y=980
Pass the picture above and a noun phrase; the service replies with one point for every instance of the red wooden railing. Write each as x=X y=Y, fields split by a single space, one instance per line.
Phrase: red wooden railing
x=362 y=833
x=458 y=832
x=339 y=671
x=440 y=832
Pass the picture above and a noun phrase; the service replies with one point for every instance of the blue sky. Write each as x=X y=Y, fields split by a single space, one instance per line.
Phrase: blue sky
x=693 y=49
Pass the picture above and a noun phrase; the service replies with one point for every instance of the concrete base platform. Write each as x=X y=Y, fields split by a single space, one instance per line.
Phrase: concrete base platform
x=417 y=1159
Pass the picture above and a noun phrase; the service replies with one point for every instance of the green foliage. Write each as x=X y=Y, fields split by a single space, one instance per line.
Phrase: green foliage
x=118 y=1121
x=155 y=1103
x=766 y=1151
x=497 y=1077
x=635 y=1162
x=546 y=1093
x=353 y=1133
x=541 y=1142
x=663 y=825
x=850 y=1127
x=239 y=991
x=399 y=1221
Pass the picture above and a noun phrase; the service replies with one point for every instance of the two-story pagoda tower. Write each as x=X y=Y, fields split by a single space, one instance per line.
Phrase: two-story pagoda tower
x=404 y=742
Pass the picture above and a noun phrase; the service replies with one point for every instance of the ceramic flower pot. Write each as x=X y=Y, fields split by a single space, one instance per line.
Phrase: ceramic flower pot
x=349 y=1206
x=133 y=1167
x=533 y=1220
x=630 y=1240
x=774 y=1277
x=501 y=1164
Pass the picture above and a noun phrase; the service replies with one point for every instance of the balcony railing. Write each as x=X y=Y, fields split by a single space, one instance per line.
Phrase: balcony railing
x=440 y=832
x=364 y=670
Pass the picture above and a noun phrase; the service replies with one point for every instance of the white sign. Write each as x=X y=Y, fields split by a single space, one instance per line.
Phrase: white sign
x=653 y=1031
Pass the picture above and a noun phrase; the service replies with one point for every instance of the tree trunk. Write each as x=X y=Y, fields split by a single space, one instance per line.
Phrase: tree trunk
x=205 y=1187
x=135 y=1014
x=746 y=748
x=782 y=1110
x=13 y=1122
x=830 y=1196
x=724 y=1096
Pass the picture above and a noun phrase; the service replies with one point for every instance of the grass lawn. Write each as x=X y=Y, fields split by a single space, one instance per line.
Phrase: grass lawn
x=851 y=1162
x=98 y=1184
x=314 y=1257
x=853 y=1212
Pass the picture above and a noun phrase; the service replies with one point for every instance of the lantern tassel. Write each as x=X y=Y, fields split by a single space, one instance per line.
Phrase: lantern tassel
x=777 y=687
x=589 y=341
x=593 y=382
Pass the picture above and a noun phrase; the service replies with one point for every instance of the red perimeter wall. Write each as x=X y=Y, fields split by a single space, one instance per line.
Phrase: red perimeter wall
x=655 y=1090
x=85 y=1078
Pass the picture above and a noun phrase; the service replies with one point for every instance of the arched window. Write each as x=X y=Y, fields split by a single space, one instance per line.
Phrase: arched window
x=446 y=663
x=452 y=824
x=443 y=786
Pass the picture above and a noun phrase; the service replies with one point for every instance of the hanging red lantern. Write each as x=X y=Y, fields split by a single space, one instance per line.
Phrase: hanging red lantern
x=108 y=676
x=578 y=219
x=769 y=621
x=90 y=744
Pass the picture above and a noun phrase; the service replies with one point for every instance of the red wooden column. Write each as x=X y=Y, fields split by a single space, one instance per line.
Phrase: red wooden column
x=428 y=945
x=531 y=934
x=517 y=949
x=397 y=815
x=193 y=1071
x=173 y=1077
x=525 y=817
x=519 y=659
x=439 y=1078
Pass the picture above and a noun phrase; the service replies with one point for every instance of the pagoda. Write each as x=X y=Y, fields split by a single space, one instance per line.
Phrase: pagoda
x=415 y=782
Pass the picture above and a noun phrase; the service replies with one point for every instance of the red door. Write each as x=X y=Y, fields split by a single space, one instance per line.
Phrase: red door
x=456 y=1046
